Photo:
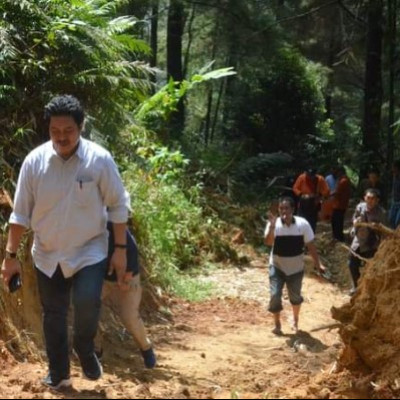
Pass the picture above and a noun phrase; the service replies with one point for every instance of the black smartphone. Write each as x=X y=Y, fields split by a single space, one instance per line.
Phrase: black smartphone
x=15 y=283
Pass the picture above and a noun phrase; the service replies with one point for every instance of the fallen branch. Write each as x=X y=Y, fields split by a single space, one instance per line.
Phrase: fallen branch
x=376 y=227
x=354 y=253
x=329 y=327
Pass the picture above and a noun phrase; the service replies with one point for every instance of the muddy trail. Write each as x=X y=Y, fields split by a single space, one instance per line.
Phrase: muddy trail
x=220 y=348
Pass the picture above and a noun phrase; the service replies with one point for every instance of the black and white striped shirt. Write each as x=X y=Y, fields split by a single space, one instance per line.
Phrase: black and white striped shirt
x=288 y=251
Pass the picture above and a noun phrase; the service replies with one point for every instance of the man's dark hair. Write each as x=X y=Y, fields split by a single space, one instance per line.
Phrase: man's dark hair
x=64 y=105
x=287 y=199
x=311 y=171
x=374 y=192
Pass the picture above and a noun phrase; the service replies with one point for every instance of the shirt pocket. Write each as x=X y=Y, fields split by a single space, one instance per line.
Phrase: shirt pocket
x=85 y=193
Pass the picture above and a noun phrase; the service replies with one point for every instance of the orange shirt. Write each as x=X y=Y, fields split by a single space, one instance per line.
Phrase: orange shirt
x=306 y=185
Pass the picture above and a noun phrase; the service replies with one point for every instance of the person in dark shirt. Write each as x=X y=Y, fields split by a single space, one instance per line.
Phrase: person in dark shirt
x=341 y=198
x=365 y=241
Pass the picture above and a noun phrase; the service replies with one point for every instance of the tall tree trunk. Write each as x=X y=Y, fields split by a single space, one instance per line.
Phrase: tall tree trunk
x=373 y=85
x=154 y=33
x=208 y=116
x=217 y=109
x=331 y=59
x=175 y=27
x=233 y=41
x=211 y=89
x=280 y=9
x=335 y=28
x=392 y=15
x=189 y=41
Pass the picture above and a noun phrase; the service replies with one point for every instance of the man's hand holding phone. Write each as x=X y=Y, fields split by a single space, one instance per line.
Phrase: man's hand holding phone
x=11 y=273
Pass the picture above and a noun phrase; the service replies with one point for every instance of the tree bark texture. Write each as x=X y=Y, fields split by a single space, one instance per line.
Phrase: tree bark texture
x=373 y=84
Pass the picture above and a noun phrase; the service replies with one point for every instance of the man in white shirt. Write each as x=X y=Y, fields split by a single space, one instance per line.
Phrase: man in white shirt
x=64 y=190
x=288 y=235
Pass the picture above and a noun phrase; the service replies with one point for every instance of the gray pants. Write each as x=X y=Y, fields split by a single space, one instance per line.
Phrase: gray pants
x=277 y=280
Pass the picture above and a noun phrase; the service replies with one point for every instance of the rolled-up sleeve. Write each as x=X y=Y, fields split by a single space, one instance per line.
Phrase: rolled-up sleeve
x=115 y=197
x=23 y=199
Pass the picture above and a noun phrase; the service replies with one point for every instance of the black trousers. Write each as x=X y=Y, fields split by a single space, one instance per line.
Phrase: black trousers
x=55 y=292
x=355 y=264
x=337 y=223
x=308 y=209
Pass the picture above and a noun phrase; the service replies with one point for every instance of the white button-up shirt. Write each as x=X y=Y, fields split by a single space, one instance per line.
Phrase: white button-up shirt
x=65 y=202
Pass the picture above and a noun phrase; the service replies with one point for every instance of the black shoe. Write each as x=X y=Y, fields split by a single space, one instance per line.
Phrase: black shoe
x=56 y=383
x=149 y=358
x=91 y=367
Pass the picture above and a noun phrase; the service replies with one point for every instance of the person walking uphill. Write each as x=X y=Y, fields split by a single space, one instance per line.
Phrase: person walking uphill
x=126 y=301
x=64 y=190
x=310 y=188
x=288 y=234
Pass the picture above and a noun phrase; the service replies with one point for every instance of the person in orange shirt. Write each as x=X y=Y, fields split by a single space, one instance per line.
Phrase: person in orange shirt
x=310 y=188
x=327 y=205
x=341 y=198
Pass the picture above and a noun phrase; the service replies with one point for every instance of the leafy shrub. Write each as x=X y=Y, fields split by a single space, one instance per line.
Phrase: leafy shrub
x=253 y=179
x=277 y=107
x=80 y=47
x=170 y=228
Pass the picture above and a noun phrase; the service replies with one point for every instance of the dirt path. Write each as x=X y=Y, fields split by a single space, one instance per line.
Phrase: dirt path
x=222 y=348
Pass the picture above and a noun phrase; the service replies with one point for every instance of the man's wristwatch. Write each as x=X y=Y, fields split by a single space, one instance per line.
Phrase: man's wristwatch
x=10 y=254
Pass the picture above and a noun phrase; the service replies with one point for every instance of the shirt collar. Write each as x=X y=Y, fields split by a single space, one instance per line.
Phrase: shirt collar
x=79 y=151
x=293 y=221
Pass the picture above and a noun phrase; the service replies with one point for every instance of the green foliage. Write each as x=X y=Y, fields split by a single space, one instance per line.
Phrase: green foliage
x=168 y=216
x=279 y=106
x=164 y=165
x=80 y=47
x=185 y=286
x=155 y=111
x=170 y=228
x=253 y=179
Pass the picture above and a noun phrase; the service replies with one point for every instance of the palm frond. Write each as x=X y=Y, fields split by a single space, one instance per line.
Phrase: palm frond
x=74 y=46
x=133 y=45
x=121 y=24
